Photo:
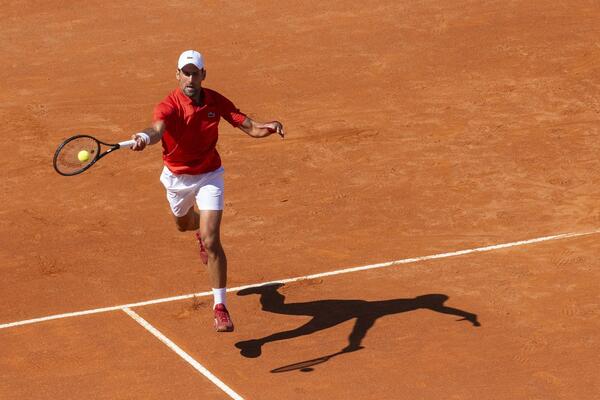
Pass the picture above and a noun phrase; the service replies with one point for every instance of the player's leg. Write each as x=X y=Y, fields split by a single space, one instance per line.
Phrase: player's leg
x=191 y=222
x=188 y=222
x=210 y=202
x=210 y=234
x=210 y=228
x=181 y=198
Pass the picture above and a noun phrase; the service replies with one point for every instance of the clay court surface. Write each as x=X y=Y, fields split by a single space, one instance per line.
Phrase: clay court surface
x=414 y=129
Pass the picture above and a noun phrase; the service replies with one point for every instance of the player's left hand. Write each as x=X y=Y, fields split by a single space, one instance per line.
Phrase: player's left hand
x=275 y=127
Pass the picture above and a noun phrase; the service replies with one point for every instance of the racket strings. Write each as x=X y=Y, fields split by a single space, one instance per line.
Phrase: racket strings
x=67 y=160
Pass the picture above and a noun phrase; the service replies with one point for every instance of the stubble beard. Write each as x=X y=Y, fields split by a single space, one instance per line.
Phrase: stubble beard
x=190 y=91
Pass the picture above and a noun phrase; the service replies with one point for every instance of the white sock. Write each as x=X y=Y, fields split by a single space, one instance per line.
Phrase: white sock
x=219 y=295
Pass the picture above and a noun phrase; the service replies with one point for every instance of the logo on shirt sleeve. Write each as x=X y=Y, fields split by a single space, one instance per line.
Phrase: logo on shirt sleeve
x=211 y=114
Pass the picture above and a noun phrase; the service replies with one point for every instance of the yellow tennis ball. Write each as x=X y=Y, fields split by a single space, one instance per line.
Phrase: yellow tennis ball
x=83 y=155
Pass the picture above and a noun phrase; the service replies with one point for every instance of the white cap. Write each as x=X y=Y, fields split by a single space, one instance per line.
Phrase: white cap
x=190 y=57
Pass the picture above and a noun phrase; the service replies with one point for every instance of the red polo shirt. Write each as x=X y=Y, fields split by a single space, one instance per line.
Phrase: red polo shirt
x=191 y=132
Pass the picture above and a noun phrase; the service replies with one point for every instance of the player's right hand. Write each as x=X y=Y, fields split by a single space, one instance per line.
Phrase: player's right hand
x=140 y=143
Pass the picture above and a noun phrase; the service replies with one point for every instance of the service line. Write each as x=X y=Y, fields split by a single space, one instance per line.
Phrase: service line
x=300 y=278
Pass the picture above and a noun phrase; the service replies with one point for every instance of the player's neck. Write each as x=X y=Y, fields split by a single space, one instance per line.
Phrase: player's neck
x=198 y=98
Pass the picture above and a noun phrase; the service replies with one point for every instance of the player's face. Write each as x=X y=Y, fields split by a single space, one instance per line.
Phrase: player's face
x=190 y=79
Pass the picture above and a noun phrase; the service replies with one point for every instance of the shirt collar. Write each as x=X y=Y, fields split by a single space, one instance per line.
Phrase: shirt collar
x=187 y=101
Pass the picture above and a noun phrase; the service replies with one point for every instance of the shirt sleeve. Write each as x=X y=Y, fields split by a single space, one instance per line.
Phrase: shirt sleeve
x=164 y=111
x=230 y=112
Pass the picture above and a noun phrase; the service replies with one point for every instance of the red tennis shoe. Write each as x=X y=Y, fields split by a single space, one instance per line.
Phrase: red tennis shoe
x=203 y=253
x=222 y=319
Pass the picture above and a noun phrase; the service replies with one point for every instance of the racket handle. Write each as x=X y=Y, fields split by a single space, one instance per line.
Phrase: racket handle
x=127 y=144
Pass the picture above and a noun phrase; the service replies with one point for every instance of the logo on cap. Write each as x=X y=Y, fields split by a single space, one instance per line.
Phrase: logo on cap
x=190 y=57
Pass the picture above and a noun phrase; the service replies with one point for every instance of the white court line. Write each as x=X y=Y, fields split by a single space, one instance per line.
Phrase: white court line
x=199 y=367
x=299 y=278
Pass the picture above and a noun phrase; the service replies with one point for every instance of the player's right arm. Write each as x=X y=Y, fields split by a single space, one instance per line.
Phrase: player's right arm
x=153 y=135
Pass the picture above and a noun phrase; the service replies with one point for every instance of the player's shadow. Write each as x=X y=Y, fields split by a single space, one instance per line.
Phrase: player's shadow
x=328 y=313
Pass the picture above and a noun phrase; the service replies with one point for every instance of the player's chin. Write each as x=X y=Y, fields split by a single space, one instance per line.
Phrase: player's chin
x=189 y=91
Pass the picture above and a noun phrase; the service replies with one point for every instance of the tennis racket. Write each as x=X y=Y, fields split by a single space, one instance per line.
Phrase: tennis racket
x=78 y=153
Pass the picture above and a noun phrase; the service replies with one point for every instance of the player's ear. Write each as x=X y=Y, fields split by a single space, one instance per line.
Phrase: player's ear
x=178 y=74
x=203 y=74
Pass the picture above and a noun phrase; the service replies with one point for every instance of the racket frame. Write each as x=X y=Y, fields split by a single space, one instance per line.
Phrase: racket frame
x=111 y=147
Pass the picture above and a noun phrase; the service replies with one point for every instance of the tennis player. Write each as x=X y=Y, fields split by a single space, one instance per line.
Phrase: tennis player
x=187 y=124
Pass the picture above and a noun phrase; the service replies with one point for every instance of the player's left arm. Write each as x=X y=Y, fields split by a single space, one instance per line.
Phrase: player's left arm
x=259 y=130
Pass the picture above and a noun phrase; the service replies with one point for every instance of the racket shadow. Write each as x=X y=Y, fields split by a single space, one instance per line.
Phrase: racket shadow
x=329 y=313
x=306 y=366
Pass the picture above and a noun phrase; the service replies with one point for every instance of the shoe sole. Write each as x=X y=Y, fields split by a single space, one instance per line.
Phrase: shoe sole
x=224 y=328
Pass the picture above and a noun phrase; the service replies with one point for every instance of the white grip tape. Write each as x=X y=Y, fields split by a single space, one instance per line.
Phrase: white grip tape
x=127 y=144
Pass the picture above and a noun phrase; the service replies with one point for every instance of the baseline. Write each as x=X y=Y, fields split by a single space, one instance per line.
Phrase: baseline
x=305 y=277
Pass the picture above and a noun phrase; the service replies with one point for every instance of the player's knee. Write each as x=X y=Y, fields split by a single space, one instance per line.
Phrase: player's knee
x=211 y=244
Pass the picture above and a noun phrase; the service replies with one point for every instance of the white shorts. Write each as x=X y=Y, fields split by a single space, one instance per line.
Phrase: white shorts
x=183 y=190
